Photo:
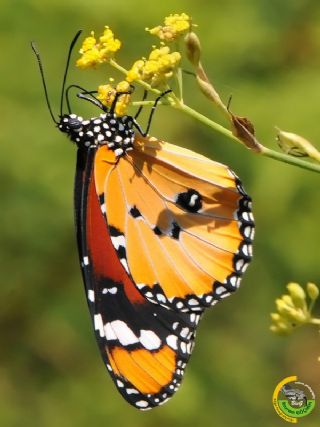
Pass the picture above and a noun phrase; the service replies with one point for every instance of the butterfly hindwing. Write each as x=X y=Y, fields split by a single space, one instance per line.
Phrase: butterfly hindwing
x=180 y=223
x=145 y=346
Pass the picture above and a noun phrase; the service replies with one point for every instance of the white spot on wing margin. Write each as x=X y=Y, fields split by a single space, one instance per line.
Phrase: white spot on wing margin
x=91 y=295
x=98 y=324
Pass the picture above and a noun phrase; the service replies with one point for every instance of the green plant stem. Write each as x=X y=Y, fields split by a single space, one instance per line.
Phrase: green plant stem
x=180 y=84
x=312 y=303
x=148 y=103
x=205 y=120
x=286 y=158
x=264 y=151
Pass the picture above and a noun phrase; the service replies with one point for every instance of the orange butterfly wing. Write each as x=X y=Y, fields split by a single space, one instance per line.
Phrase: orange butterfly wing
x=145 y=347
x=180 y=223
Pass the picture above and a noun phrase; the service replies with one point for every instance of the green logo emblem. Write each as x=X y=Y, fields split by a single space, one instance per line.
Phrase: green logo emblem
x=293 y=399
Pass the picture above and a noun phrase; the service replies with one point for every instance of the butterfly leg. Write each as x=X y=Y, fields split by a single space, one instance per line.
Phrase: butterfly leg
x=117 y=96
x=153 y=109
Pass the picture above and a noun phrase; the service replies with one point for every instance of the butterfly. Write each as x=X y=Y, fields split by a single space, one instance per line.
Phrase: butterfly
x=162 y=233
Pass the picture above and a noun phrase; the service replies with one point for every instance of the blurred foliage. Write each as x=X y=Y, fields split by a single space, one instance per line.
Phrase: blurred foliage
x=266 y=54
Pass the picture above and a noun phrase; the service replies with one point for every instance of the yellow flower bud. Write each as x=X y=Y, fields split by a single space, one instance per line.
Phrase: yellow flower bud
x=292 y=309
x=297 y=294
x=288 y=300
x=275 y=317
x=313 y=291
x=135 y=73
x=123 y=86
x=285 y=310
x=282 y=307
x=298 y=316
x=281 y=328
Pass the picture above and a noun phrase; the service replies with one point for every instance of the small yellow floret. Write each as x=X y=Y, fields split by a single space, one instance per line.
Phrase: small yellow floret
x=109 y=45
x=89 y=43
x=292 y=310
x=174 y=26
x=107 y=93
x=89 y=59
x=180 y=22
x=135 y=73
x=157 y=69
x=94 y=53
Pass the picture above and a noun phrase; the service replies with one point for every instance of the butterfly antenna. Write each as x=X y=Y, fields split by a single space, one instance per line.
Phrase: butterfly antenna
x=67 y=68
x=145 y=94
x=153 y=109
x=36 y=52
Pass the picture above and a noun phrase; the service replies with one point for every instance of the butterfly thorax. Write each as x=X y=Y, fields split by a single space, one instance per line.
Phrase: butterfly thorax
x=107 y=129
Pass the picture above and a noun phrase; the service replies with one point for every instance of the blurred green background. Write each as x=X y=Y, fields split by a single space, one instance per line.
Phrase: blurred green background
x=265 y=53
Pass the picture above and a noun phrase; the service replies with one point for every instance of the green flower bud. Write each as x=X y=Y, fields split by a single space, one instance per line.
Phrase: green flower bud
x=296 y=145
x=193 y=48
x=208 y=90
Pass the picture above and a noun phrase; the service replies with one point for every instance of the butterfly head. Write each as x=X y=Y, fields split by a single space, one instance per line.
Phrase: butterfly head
x=70 y=124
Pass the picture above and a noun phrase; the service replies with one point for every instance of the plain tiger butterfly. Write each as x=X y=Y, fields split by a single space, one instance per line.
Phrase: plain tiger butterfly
x=162 y=234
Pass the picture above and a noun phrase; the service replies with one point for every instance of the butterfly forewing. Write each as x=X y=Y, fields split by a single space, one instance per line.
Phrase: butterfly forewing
x=180 y=223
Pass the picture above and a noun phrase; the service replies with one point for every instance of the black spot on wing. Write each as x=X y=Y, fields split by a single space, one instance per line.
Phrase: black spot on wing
x=175 y=230
x=157 y=231
x=134 y=211
x=114 y=232
x=190 y=200
x=121 y=251
x=101 y=199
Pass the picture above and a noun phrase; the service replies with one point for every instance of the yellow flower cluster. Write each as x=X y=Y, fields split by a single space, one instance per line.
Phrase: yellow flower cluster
x=107 y=93
x=157 y=69
x=174 y=26
x=292 y=310
x=94 y=53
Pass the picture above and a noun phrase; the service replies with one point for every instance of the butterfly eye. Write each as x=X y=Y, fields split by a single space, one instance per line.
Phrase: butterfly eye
x=70 y=123
x=74 y=124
